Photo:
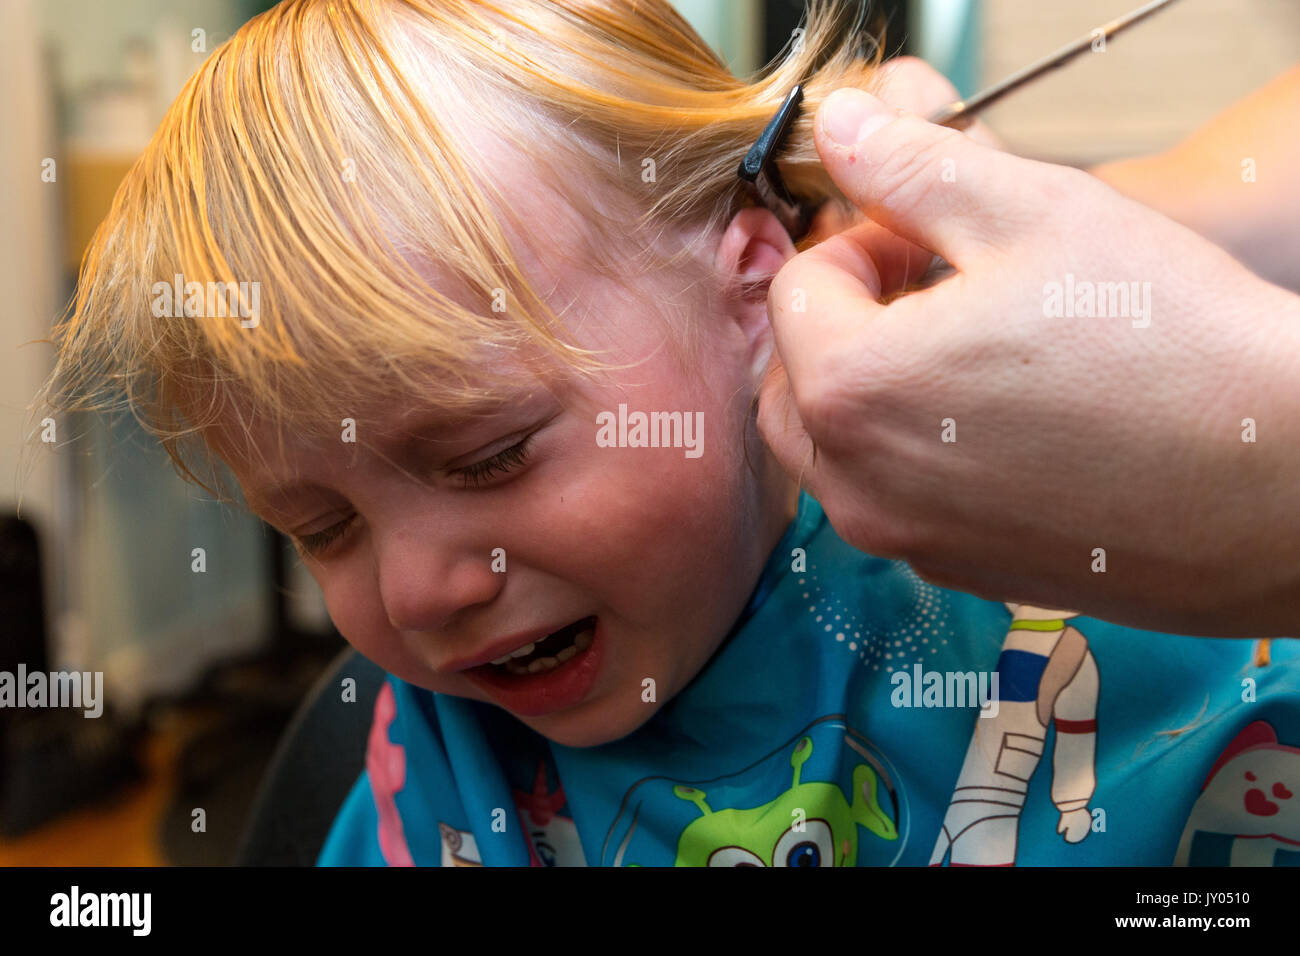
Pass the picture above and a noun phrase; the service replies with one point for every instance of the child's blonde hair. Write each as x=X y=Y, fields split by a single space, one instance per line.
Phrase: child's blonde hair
x=318 y=153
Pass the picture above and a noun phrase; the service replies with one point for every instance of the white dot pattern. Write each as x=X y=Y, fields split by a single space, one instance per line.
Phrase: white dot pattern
x=906 y=639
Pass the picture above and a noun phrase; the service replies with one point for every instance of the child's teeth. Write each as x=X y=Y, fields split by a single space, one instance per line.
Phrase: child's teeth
x=542 y=664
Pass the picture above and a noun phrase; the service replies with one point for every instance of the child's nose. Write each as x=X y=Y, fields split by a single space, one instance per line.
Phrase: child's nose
x=424 y=585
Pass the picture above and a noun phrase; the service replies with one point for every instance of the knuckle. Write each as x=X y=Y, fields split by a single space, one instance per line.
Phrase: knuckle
x=834 y=398
x=837 y=399
x=822 y=408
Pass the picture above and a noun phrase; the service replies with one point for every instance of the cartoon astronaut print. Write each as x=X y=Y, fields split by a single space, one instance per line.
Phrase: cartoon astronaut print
x=1046 y=673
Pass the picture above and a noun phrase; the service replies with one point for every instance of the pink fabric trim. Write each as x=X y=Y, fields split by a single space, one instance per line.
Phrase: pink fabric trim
x=386 y=765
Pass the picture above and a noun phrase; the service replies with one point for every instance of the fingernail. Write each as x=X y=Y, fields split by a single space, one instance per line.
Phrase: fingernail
x=849 y=116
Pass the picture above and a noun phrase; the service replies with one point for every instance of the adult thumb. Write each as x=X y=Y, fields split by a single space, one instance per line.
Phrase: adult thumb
x=927 y=183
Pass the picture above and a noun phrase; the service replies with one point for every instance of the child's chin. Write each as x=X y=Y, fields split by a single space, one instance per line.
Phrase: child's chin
x=591 y=725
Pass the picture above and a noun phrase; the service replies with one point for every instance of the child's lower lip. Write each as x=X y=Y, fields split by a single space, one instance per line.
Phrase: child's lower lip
x=535 y=695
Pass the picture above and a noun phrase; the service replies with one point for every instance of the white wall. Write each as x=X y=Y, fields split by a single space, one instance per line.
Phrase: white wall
x=116 y=525
x=29 y=274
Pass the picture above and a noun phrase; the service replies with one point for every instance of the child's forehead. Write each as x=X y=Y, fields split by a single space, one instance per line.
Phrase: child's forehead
x=569 y=211
x=486 y=386
x=395 y=413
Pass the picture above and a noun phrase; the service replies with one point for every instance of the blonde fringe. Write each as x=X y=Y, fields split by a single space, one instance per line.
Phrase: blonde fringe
x=382 y=283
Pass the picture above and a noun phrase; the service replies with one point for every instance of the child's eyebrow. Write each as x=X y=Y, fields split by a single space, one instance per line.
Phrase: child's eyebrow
x=424 y=427
x=262 y=501
x=417 y=433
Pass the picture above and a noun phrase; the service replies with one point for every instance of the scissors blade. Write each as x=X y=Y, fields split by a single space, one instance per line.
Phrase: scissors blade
x=961 y=114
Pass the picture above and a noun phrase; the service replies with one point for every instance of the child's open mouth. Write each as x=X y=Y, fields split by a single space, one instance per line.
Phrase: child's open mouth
x=551 y=651
x=549 y=675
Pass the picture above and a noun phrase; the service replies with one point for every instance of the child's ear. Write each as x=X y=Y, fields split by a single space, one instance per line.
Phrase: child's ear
x=753 y=248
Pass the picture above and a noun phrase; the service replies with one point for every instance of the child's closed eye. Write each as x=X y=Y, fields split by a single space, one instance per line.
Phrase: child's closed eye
x=473 y=475
x=318 y=542
x=507 y=460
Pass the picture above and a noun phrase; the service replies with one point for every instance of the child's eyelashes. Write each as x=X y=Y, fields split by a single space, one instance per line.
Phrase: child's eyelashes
x=468 y=476
x=503 y=462
x=474 y=475
x=319 y=542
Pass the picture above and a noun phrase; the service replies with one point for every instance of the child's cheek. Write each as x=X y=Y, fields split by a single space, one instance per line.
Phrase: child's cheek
x=639 y=521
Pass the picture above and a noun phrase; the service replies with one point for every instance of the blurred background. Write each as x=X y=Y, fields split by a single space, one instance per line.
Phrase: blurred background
x=203 y=671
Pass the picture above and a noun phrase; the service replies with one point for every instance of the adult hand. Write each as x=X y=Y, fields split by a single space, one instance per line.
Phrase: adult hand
x=1099 y=410
x=907 y=83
